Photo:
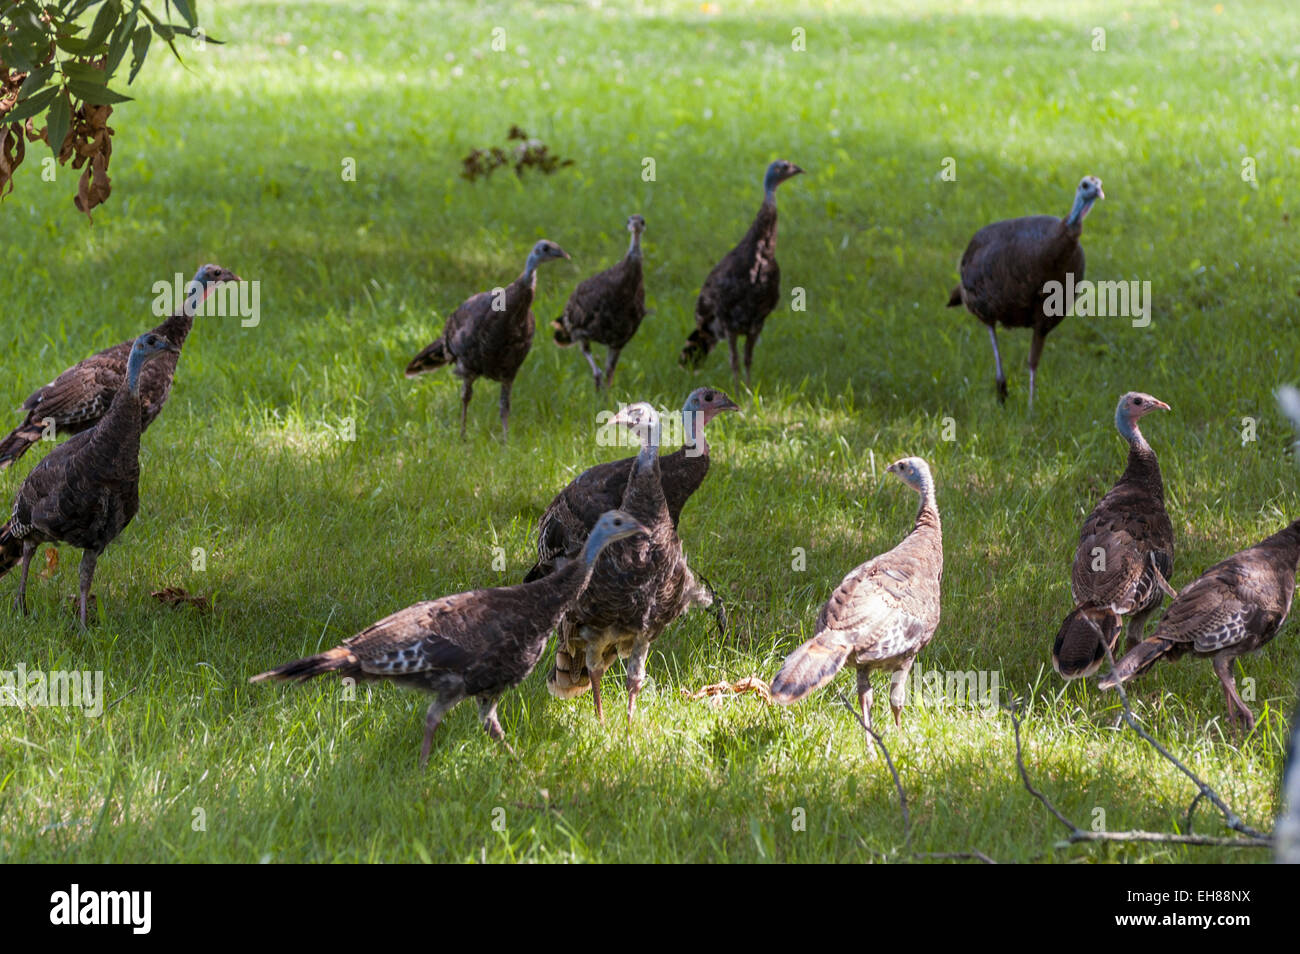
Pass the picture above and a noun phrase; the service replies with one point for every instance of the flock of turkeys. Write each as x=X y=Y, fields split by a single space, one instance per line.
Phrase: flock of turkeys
x=611 y=572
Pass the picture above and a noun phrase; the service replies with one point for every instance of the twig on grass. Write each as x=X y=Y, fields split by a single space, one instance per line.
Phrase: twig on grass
x=1077 y=834
x=902 y=802
x=1230 y=818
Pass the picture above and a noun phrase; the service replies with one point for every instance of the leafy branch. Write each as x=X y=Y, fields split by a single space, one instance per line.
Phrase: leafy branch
x=56 y=62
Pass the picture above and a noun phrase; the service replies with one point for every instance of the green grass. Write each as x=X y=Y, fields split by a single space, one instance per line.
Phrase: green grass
x=236 y=158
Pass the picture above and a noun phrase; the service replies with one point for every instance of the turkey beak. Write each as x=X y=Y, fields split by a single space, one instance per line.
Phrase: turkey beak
x=796 y=172
x=729 y=405
x=1160 y=404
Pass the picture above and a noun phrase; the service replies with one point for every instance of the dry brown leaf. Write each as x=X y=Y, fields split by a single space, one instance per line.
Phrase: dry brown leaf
x=12 y=150
x=748 y=684
x=175 y=596
x=51 y=563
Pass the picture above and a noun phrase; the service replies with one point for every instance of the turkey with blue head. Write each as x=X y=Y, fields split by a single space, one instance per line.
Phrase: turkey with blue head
x=1010 y=267
x=607 y=309
x=86 y=490
x=489 y=335
x=76 y=400
x=477 y=644
x=743 y=288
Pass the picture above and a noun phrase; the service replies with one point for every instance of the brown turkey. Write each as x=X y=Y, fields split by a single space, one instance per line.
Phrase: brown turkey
x=1234 y=608
x=489 y=335
x=563 y=528
x=637 y=589
x=607 y=308
x=881 y=615
x=1125 y=554
x=1007 y=266
x=743 y=288
x=479 y=643
x=75 y=400
x=86 y=490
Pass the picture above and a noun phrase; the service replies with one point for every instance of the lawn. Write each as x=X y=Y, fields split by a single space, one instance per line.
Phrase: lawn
x=237 y=157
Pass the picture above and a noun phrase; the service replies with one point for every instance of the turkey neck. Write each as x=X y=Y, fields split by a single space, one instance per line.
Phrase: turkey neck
x=927 y=514
x=177 y=327
x=528 y=278
x=644 y=493
x=118 y=432
x=634 y=248
x=1074 y=221
x=1142 y=468
x=566 y=584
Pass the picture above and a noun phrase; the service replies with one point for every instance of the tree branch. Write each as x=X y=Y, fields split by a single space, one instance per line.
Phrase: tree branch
x=1077 y=834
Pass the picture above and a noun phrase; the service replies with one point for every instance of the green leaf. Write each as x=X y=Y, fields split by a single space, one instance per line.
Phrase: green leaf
x=187 y=11
x=70 y=44
x=105 y=20
x=121 y=40
x=32 y=106
x=35 y=80
x=95 y=94
x=59 y=121
x=83 y=72
x=139 y=50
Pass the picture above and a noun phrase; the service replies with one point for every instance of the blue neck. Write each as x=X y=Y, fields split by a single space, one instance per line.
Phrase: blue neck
x=634 y=249
x=133 y=365
x=595 y=543
x=649 y=446
x=1078 y=210
x=530 y=266
x=1127 y=427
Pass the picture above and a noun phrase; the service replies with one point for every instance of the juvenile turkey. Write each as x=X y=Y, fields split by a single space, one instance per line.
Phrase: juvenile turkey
x=1125 y=554
x=489 y=335
x=79 y=397
x=637 y=588
x=743 y=288
x=1234 y=608
x=478 y=644
x=607 y=308
x=86 y=490
x=1007 y=266
x=881 y=615
x=563 y=527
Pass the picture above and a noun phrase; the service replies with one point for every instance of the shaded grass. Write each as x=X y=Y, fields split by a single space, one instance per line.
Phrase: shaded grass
x=308 y=538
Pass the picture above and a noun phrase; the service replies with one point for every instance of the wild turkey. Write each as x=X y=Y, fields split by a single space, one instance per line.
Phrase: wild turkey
x=881 y=615
x=1125 y=554
x=489 y=335
x=78 y=398
x=478 y=644
x=744 y=287
x=637 y=589
x=606 y=308
x=86 y=490
x=563 y=528
x=1007 y=266
x=1234 y=608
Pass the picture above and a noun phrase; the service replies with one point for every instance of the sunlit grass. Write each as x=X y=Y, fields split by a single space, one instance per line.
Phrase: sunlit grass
x=236 y=158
